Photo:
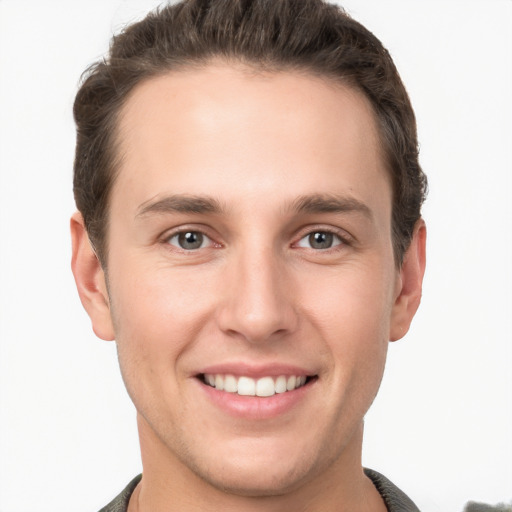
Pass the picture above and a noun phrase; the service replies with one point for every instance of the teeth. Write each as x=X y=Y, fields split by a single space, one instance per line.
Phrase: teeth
x=230 y=384
x=265 y=387
x=219 y=382
x=281 y=384
x=247 y=386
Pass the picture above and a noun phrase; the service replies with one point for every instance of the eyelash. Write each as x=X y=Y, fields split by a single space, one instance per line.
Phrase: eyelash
x=343 y=239
x=185 y=231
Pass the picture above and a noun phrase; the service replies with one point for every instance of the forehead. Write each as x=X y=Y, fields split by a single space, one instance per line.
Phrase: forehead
x=225 y=131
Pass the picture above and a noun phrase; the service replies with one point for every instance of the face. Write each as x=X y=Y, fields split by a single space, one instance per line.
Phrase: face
x=252 y=289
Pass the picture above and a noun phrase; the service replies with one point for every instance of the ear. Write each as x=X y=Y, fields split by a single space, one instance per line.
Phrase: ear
x=409 y=283
x=90 y=280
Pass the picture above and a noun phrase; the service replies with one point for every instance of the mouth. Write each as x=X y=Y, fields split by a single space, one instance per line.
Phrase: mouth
x=264 y=386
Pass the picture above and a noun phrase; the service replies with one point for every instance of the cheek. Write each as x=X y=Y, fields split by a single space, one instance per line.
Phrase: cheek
x=157 y=317
x=351 y=309
x=353 y=303
x=152 y=298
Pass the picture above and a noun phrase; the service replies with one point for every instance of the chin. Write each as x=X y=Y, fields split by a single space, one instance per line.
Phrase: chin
x=268 y=471
x=256 y=482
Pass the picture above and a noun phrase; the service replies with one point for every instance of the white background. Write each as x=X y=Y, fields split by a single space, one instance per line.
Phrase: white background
x=441 y=427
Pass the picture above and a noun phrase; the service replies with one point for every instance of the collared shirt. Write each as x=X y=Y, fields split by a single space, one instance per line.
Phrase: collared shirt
x=394 y=498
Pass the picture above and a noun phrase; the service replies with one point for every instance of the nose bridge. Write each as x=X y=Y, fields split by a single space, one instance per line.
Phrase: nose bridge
x=258 y=305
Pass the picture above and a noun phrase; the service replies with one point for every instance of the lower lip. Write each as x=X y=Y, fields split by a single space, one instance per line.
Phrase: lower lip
x=255 y=407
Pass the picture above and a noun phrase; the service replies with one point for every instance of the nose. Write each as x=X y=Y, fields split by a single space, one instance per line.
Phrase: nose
x=257 y=296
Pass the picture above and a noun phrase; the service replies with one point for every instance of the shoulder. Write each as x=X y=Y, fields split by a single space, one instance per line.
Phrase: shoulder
x=395 y=499
x=120 y=503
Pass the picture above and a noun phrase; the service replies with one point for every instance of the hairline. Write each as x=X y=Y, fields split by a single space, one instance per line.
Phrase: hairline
x=251 y=67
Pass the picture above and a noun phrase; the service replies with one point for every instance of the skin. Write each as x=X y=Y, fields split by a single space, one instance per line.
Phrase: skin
x=258 y=147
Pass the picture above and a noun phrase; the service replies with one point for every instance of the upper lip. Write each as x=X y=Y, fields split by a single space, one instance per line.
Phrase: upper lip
x=255 y=371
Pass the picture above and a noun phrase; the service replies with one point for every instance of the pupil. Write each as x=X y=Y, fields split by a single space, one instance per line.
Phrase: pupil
x=320 y=240
x=190 y=240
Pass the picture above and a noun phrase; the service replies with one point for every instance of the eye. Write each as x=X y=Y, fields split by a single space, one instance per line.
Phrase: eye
x=189 y=240
x=320 y=240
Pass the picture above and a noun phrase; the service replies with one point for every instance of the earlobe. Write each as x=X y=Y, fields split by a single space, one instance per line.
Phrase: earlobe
x=409 y=283
x=90 y=280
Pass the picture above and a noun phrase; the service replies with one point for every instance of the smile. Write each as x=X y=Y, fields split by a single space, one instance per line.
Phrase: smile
x=247 y=386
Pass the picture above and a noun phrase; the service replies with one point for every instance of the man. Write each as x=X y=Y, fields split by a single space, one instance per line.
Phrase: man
x=249 y=232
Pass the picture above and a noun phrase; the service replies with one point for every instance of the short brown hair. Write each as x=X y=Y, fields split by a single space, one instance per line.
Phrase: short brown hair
x=309 y=35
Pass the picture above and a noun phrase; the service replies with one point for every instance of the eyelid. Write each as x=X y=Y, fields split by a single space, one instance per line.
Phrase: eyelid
x=345 y=237
x=304 y=242
x=188 y=228
x=205 y=241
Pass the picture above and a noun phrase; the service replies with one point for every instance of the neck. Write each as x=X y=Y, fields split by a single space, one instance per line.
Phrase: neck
x=169 y=485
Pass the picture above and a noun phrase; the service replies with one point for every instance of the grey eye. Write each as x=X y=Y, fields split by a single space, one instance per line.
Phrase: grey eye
x=320 y=240
x=189 y=240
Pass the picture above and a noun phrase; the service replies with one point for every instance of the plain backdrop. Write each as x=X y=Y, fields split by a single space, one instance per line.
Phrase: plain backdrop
x=441 y=427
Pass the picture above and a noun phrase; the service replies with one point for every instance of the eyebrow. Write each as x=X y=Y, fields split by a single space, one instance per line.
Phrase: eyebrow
x=311 y=203
x=180 y=204
x=330 y=203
